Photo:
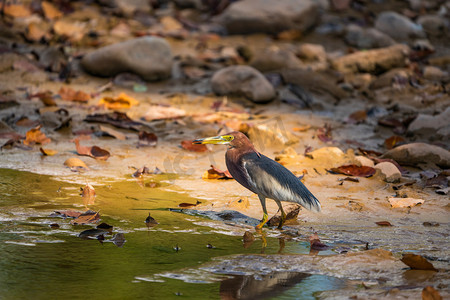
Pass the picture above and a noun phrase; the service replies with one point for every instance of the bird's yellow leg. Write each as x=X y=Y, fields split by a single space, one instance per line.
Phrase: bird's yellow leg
x=262 y=199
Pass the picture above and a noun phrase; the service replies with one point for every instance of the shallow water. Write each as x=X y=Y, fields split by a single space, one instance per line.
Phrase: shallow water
x=39 y=262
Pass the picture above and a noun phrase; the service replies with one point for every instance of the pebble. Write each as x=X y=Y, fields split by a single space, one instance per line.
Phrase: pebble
x=148 y=57
x=431 y=125
x=243 y=81
x=398 y=27
x=432 y=24
x=269 y=16
x=274 y=58
x=312 y=52
x=389 y=171
x=419 y=153
x=367 y=38
x=434 y=73
x=364 y=161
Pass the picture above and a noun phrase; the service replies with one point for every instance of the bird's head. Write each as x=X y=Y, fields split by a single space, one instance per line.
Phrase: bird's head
x=233 y=139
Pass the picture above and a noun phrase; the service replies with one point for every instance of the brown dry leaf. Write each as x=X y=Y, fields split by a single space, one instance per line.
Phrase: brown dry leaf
x=316 y=244
x=123 y=101
x=75 y=164
x=87 y=217
x=357 y=117
x=48 y=152
x=16 y=10
x=324 y=133
x=117 y=119
x=354 y=170
x=46 y=98
x=187 y=145
x=163 y=112
x=393 y=142
x=94 y=151
x=112 y=132
x=35 y=136
x=215 y=173
x=404 y=202
x=88 y=194
x=147 y=139
x=417 y=262
x=69 y=94
x=50 y=11
x=25 y=122
x=430 y=293
x=383 y=223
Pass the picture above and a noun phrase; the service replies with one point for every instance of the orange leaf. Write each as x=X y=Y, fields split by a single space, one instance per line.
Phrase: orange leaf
x=187 y=145
x=354 y=170
x=357 y=117
x=86 y=218
x=417 y=262
x=50 y=11
x=69 y=94
x=215 y=173
x=430 y=293
x=35 y=136
x=123 y=101
x=47 y=152
x=16 y=10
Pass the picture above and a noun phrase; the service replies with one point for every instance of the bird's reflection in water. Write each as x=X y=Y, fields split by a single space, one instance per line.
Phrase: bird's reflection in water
x=259 y=286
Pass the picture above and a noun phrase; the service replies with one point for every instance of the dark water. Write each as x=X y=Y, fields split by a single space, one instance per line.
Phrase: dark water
x=38 y=262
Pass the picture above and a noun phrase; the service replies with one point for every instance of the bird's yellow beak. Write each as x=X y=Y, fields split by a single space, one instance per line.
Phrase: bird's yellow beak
x=218 y=140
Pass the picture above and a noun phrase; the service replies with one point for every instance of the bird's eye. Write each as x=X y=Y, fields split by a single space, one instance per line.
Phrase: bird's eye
x=228 y=138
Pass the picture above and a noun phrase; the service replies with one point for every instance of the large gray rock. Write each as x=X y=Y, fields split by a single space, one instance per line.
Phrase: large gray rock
x=148 y=57
x=269 y=16
x=243 y=81
x=419 y=153
x=438 y=125
x=398 y=26
x=367 y=38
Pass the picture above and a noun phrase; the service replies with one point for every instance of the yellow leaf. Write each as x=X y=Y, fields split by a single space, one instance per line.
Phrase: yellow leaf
x=48 y=152
x=123 y=101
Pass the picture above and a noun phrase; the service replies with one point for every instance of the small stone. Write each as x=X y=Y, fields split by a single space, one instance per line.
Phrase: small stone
x=372 y=61
x=389 y=171
x=269 y=16
x=404 y=30
x=273 y=58
x=434 y=73
x=364 y=161
x=243 y=81
x=432 y=24
x=404 y=202
x=148 y=57
x=431 y=125
x=419 y=153
x=367 y=38
x=312 y=52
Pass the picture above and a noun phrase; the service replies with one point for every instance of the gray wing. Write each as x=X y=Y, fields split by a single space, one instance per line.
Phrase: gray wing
x=276 y=182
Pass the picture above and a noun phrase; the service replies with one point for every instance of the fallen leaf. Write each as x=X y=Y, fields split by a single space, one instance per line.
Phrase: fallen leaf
x=25 y=122
x=354 y=170
x=404 y=202
x=123 y=101
x=46 y=98
x=75 y=164
x=430 y=293
x=163 y=112
x=50 y=11
x=94 y=151
x=24 y=65
x=394 y=141
x=302 y=128
x=215 y=173
x=187 y=145
x=47 y=152
x=357 y=117
x=70 y=94
x=112 y=132
x=71 y=30
x=324 y=133
x=383 y=223
x=35 y=136
x=16 y=10
x=417 y=262
x=88 y=194
x=87 y=217
x=316 y=244
x=147 y=139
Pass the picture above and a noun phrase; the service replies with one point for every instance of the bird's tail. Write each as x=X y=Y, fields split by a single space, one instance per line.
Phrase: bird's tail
x=307 y=199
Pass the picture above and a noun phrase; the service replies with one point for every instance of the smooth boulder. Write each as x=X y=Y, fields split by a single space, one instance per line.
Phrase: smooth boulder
x=149 y=57
x=398 y=27
x=269 y=16
x=419 y=153
x=243 y=81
